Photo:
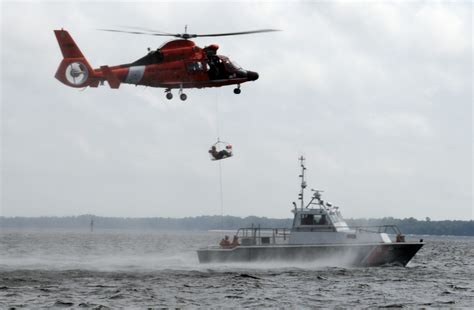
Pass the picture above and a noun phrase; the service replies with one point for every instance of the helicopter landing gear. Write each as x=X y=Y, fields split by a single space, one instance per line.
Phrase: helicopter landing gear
x=237 y=90
x=182 y=95
x=169 y=95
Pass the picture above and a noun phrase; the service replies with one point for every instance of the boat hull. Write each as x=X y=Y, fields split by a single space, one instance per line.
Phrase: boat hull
x=331 y=254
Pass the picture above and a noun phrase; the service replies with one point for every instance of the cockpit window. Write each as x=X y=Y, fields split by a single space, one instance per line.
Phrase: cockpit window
x=232 y=66
x=195 y=66
x=236 y=65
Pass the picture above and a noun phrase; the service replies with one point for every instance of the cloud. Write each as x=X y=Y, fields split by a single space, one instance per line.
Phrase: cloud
x=402 y=125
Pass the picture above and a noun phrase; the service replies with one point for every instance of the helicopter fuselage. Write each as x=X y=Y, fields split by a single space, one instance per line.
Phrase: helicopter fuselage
x=178 y=64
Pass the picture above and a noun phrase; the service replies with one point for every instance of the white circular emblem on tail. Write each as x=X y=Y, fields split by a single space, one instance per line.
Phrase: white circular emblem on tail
x=76 y=73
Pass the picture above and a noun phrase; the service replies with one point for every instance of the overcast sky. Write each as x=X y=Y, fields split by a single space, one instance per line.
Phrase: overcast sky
x=376 y=95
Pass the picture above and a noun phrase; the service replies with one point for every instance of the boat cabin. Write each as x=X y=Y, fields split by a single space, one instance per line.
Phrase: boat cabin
x=318 y=220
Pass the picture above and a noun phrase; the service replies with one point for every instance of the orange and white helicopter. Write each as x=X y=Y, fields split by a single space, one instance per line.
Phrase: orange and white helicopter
x=178 y=64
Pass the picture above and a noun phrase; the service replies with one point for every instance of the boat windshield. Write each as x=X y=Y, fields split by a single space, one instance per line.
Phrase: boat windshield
x=338 y=221
x=314 y=219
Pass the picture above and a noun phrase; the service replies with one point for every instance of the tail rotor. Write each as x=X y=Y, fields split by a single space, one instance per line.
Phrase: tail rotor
x=76 y=73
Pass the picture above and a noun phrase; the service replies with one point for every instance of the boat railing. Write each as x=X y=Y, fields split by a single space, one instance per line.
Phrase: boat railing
x=263 y=236
x=388 y=229
x=260 y=236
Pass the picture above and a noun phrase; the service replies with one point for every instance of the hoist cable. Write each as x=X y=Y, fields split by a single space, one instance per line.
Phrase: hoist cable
x=220 y=164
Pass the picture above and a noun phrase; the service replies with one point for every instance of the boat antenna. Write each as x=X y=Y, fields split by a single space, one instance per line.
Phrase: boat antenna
x=303 y=182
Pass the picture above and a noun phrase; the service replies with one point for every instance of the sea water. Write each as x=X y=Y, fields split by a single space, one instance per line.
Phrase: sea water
x=113 y=269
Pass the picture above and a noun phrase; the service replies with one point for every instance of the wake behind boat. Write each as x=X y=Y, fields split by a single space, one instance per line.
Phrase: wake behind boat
x=319 y=233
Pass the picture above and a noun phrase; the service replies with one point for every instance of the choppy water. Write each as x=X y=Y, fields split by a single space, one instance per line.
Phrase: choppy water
x=140 y=269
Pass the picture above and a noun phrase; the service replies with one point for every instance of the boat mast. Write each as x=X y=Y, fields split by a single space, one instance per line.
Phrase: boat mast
x=303 y=182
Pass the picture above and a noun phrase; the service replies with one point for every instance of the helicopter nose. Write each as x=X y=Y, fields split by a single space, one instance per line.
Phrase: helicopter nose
x=252 y=76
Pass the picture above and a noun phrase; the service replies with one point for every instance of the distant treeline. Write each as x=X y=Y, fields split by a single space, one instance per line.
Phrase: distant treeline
x=83 y=222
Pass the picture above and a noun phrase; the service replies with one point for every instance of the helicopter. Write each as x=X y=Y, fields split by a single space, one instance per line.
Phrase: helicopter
x=177 y=64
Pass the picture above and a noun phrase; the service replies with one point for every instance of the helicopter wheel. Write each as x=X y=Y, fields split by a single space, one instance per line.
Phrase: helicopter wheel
x=237 y=91
x=169 y=96
x=183 y=97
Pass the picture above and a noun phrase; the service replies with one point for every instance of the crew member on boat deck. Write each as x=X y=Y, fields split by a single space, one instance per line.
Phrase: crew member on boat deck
x=322 y=220
x=219 y=155
x=235 y=241
x=225 y=243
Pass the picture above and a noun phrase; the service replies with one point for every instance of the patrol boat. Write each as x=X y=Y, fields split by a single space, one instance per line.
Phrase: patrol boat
x=319 y=233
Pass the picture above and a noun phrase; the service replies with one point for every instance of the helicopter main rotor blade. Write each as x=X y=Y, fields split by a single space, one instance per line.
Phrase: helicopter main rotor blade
x=147 y=30
x=146 y=33
x=186 y=35
x=235 y=33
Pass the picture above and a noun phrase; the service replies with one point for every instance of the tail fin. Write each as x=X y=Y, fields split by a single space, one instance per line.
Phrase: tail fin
x=67 y=45
x=74 y=70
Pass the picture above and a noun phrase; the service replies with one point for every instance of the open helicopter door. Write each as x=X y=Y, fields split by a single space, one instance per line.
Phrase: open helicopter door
x=220 y=150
